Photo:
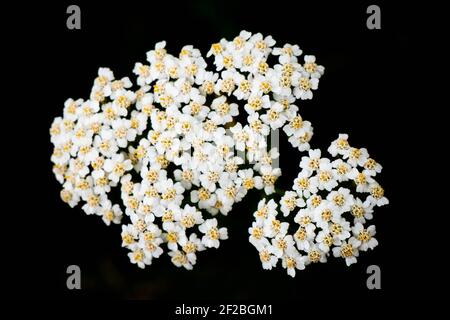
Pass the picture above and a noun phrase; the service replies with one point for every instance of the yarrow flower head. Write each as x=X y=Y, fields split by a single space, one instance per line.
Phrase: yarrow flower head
x=329 y=218
x=175 y=145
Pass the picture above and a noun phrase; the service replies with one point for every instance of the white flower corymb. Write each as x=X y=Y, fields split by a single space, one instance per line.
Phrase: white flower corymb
x=190 y=140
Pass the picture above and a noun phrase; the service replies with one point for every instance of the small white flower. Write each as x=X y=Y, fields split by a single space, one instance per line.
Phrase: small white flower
x=339 y=228
x=223 y=111
x=93 y=203
x=117 y=166
x=293 y=260
x=174 y=232
x=324 y=213
x=123 y=133
x=315 y=255
x=302 y=137
x=339 y=146
x=274 y=117
x=256 y=102
x=287 y=52
x=158 y=53
x=371 y=167
x=273 y=227
x=150 y=242
x=247 y=179
x=240 y=136
x=304 y=86
x=129 y=235
x=70 y=197
x=290 y=201
x=261 y=44
x=212 y=233
x=356 y=157
x=325 y=240
x=305 y=185
x=266 y=255
x=256 y=233
x=362 y=179
x=304 y=236
x=326 y=176
x=170 y=192
x=341 y=170
x=180 y=259
x=348 y=251
x=376 y=196
x=269 y=176
x=265 y=210
x=188 y=217
x=257 y=125
x=204 y=198
x=190 y=246
x=361 y=211
x=310 y=68
x=110 y=213
x=340 y=200
x=137 y=256
x=281 y=244
x=312 y=161
x=364 y=237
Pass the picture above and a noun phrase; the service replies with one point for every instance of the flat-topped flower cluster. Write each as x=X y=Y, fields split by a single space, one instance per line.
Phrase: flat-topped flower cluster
x=184 y=143
x=327 y=216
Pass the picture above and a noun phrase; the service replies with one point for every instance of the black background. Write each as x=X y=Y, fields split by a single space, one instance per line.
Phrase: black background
x=365 y=92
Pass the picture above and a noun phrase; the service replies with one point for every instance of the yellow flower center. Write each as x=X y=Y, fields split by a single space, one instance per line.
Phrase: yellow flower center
x=346 y=250
x=213 y=233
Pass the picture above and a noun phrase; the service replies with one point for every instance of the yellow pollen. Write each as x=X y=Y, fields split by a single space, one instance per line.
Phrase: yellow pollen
x=264 y=255
x=66 y=195
x=315 y=201
x=326 y=215
x=310 y=67
x=127 y=238
x=339 y=200
x=304 y=84
x=363 y=236
x=314 y=256
x=167 y=216
x=357 y=211
x=300 y=234
x=189 y=247
x=171 y=237
x=303 y=183
x=188 y=221
x=370 y=164
x=93 y=201
x=346 y=250
x=377 y=192
x=213 y=233
x=324 y=176
x=216 y=48
x=290 y=263
x=296 y=123
x=336 y=228
x=257 y=232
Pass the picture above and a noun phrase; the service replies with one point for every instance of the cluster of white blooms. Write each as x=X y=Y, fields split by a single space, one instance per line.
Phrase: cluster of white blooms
x=179 y=149
x=328 y=218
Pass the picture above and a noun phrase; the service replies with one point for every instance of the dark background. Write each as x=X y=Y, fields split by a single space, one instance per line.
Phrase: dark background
x=365 y=92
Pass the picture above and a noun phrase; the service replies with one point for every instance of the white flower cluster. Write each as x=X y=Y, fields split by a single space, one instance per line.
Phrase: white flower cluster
x=328 y=218
x=173 y=144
